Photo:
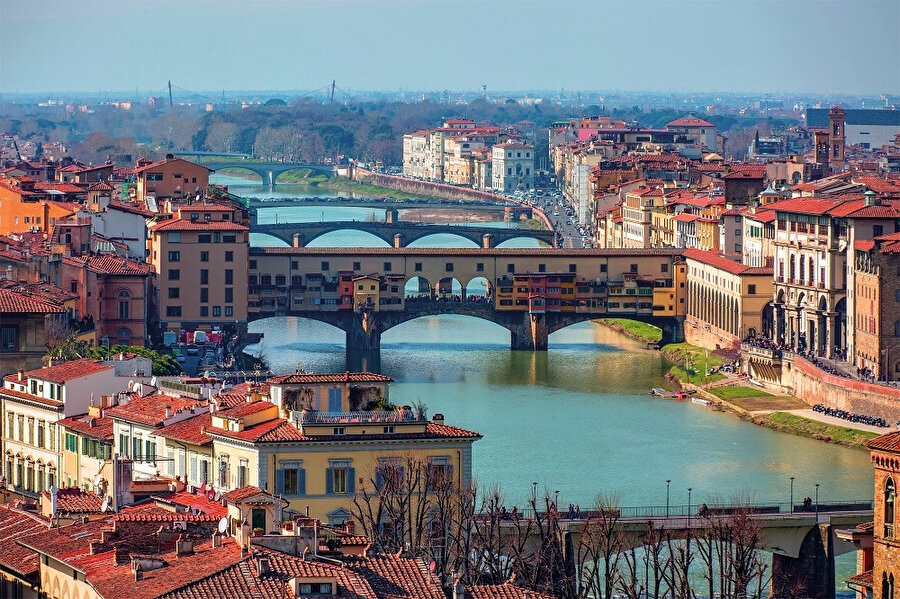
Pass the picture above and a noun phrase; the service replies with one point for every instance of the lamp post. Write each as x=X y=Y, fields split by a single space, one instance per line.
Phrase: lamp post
x=668 y=482
x=689 y=502
x=817 y=502
x=792 y=494
x=534 y=494
x=556 y=499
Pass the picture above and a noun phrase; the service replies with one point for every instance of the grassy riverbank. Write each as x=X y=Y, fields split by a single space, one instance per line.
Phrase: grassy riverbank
x=738 y=392
x=633 y=329
x=692 y=363
x=804 y=427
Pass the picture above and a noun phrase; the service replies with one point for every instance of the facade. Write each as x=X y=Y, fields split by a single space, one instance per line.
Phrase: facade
x=33 y=404
x=885 y=454
x=726 y=299
x=24 y=321
x=704 y=132
x=512 y=166
x=876 y=317
x=87 y=452
x=25 y=208
x=758 y=237
x=172 y=178
x=868 y=127
x=201 y=265
x=637 y=216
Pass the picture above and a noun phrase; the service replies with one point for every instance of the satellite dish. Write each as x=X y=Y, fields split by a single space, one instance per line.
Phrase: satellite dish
x=105 y=505
x=223 y=525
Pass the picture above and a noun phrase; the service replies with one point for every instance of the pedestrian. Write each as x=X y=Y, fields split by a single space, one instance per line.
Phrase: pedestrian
x=571 y=512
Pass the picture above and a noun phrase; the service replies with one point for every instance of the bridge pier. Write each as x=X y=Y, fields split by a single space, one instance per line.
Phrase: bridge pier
x=672 y=330
x=530 y=334
x=363 y=331
x=810 y=574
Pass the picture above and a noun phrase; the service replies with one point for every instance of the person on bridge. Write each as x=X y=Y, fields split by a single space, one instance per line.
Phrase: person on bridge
x=703 y=512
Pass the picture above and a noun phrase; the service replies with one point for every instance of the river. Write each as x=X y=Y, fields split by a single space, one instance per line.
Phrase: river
x=575 y=418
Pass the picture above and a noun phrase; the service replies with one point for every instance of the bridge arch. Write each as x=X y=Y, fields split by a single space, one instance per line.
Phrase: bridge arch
x=521 y=241
x=306 y=169
x=418 y=286
x=419 y=240
x=248 y=170
x=367 y=239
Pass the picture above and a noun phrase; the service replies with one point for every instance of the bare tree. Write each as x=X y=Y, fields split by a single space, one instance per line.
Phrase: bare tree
x=600 y=550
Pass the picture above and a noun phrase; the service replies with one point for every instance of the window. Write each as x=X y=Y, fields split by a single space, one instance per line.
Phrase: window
x=9 y=337
x=751 y=289
x=890 y=496
x=174 y=274
x=542 y=268
x=388 y=430
x=204 y=276
x=418 y=267
x=204 y=238
x=448 y=267
x=229 y=256
x=204 y=311
x=479 y=267
x=217 y=311
x=174 y=292
x=173 y=311
x=137 y=447
x=124 y=309
x=357 y=266
x=633 y=268
x=174 y=237
x=510 y=268
x=290 y=479
x=339 y=479
x=174 y=256
x=242 y=474
x=325 y=266
x=229 y=277
x=387 y=267
x=229 y=311
x=229 y=239
x=229 y=295
x=204 y=294
x=603 y=268
x=252 y=264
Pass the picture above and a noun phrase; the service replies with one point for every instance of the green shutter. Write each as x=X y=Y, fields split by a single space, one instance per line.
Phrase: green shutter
x=279 y=482
x=351 y=481
x=329 y=481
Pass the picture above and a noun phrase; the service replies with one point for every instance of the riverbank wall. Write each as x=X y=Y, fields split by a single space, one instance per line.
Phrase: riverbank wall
x=813 y=385
x=440 y=190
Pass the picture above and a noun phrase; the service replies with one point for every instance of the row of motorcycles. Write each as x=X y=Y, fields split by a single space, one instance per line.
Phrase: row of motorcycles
x=851 y=416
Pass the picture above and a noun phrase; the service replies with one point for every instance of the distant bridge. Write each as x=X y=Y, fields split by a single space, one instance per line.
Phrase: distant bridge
x=390 y=203
x=267 y=171
x=399 y=234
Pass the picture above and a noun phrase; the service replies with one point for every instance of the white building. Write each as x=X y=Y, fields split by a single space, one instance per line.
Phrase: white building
x=866 y=127
x=512 y=164
x=34 y=401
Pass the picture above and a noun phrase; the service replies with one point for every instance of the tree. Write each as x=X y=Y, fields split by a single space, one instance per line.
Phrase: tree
x=221 y=136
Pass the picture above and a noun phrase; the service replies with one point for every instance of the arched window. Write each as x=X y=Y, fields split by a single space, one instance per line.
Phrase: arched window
x=124 y=305
x=885 y=591
x=889 y=498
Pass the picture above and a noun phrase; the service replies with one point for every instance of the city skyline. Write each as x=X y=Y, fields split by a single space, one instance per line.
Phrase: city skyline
x=727 y=47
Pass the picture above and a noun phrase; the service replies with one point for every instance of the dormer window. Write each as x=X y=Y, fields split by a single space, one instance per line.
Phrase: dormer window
x=309 y=589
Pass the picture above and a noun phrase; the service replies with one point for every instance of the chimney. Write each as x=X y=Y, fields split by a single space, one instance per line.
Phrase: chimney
x=20 y=375
x=168 y=411
x=138 y=575
x=459 y=589
x=262 y=565
x=870 y=198
x=350 y=526
x=53 y=492
x=438 y=418
x=183 y=547
x=216 y=540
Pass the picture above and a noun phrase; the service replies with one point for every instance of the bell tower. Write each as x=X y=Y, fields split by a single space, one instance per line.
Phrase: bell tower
x=837 y=119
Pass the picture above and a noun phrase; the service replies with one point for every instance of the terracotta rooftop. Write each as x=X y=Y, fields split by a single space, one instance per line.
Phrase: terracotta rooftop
x=151 y=410
x=160 y=163
x=503 y=591
x=690 y=121
x=73 y=500
x=181 y=224
x=96 y=428
x=889 y=442
x=65 y=371
x=109 y=264
x=280 y=430
x=14 y=524
x=190 y=430
x=242 y=493
x=328 y=378
x=15 y=302
x=722 y=263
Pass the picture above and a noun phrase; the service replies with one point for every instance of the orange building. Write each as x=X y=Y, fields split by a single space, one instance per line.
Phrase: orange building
x=200 y=258
x=24 y=208
x=172 y=178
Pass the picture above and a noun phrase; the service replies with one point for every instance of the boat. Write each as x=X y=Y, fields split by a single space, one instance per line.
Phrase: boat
x=660 y=392
x=754 y=382
x=700 y=400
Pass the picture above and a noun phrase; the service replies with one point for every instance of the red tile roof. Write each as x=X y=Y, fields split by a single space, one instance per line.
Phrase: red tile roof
x=132 y=208
x=181 y=224
x=245 y=408
x=73 y=500
x=280 y=430
x=328 y=378
x=15 y=524
x=503 y=591
x=191 y=430
x=13 y=302
x=96 y=428
x=889 y=442
x=111 y=265
x=242 y=493
x=65 y=371
x=722 y=263
x=151 y=410
x=690 y=121
x=152 y=165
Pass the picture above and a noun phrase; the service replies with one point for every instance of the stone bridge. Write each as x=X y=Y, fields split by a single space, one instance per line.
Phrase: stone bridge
x=399 y=234
x=267 y=171
x=528 y=332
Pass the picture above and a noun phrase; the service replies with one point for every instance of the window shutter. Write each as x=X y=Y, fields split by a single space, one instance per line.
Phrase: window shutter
x=279 y=481
x=379 y=479
x=301 y=481
x=329 y=481
x=351 y=481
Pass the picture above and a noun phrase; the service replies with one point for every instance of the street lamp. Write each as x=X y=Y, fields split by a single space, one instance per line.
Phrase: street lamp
x=689 y=501
x=556 y=499
x=817 y=502
x=534 y=493
x=792 y=494
x=668 y=482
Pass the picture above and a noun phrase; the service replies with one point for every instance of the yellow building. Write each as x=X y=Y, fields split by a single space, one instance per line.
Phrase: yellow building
x=316 y=454
x=366 y=292
x=87 y=451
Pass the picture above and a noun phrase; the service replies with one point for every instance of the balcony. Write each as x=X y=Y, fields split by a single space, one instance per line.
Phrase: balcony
x=374 y=417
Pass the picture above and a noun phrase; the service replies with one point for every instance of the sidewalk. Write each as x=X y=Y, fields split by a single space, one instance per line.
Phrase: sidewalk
x=812 y=415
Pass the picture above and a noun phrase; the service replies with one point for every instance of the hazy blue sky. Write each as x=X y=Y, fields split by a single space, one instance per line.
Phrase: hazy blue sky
x=848 y=46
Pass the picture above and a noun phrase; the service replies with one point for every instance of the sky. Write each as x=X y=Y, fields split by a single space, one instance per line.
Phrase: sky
x=839 y=46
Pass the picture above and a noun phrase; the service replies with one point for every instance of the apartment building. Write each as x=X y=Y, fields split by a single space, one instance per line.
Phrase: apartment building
x=200 y=259
x=876 y=315
x=171 y=178
x=512 y=166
